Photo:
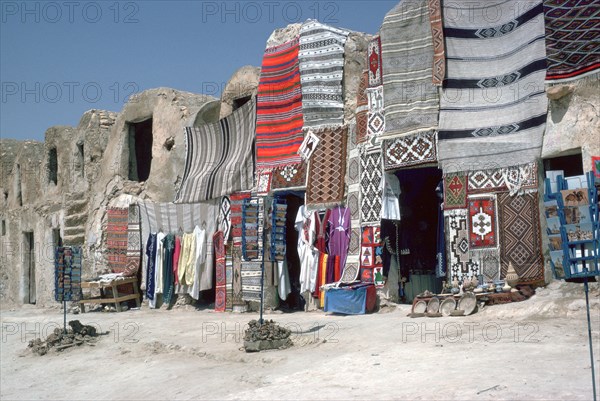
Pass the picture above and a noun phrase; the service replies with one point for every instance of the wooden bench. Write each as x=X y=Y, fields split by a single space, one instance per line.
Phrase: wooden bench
x=114 y=293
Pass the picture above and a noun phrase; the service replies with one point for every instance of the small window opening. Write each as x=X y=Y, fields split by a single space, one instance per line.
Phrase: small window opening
x=3 y=228
x=56 y=238
x=572 y=165
x=239 y=102
x=19 y=192
x=52 y=166
x=81 y=159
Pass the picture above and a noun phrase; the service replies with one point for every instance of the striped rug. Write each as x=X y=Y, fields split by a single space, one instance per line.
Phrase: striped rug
x=279 y=117
x=493 y=108
x=116 y=239
x=321 y=59
x=219 y=157
x=411 y=100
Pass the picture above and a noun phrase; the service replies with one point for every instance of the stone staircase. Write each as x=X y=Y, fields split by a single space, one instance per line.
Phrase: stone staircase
x=76 y=214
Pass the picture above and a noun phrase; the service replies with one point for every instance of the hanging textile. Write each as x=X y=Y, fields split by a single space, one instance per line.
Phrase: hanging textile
x=362 y=108
x=441 y=268
x=371 y=255
x=370 y=186
x=321 y=59
x=572 y=39
x=116 y=239
x=134 y=241
x=251 y=275
x=221 y=274
x=493 y=109
x=460 y=263
x=483 y=230
x=374 y=62
x=411 y=100
x=224 y=220
x=167 y=268
x=520 y=237
x=150 y=267
x=279 y=117
x=170 y=218
x=327 y=168
x=219 y=157
x=455 y=191
x=437 y=34
x=339 y=235
x=419 y=149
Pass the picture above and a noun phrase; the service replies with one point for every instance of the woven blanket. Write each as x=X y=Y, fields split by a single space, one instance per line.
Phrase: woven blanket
x=220 y=273
x=455 y=191
x=439 y=48
x=288 y=177
x=409 y=151
x=171 y=217
x=67 y=274
x=371 y=254
x=116 y=239
x=374 y=60
x=376 y=115
x=490 y=266
x=460 y=263
x=250 y=274
x=279 y=108
x=237 y=276
x=520 y=238
x=321 y=59
x=362 y=108
x=237 y=202
x=493 y=108
x=411 y=99
x=219 y=157
x=327 y=168
x=370 y=186
x=523 y=177
x=134 y=241
x=572 y=38
x=482 y=222
x=224 y=220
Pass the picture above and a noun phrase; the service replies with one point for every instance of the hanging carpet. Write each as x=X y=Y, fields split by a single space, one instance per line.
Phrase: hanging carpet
x=116 y=239
x=460 y=263
x=370 y=186
x=409 y=151
x=482 y=222
x=250 y=274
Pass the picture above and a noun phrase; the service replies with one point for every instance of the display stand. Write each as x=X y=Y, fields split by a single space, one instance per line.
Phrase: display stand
x=577 y=258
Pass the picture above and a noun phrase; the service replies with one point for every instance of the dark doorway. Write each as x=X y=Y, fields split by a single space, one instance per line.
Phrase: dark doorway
x=572 y=165
x=140 y=150
x=29 y=268
x=419 y=206
x=239 y=102
x=294 y=300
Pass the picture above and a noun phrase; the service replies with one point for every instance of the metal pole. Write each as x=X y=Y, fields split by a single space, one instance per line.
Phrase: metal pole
x=65 y=316
x=587 y=304
x=262 y=269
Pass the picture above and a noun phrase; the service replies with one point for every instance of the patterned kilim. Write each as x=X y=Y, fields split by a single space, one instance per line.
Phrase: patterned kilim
x=457 y=245
x=486 y=181
x=237 y=201
x=116 y=239
x=455 y=191
x=376 y=115
x=490 y=267
x=370 y=187
x=237 y=276
x=327 y=168
x=250 y=273
x=371 y=253
x=439 y=49
x=482 y=222
x=219 y=157
x=350 y=272
x=229 y=276
x=519 y=178
x=321 y=59
x=134 y=241
x=411 y=99
x=493 y=110
x=293 y=176
x=67 y=274
x=409 y=151
x=572 y=38
x=374 y=60
x=279 y=108
x=362 y=108
x=220 y=270
x=520 y=238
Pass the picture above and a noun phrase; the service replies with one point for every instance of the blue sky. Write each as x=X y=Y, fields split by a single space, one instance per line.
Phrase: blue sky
x=61 y=58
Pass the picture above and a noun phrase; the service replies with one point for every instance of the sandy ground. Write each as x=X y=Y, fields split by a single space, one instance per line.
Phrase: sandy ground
x=536 y=349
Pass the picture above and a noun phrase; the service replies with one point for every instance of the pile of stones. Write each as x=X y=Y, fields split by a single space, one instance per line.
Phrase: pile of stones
x=78 y=334
x=269 y=335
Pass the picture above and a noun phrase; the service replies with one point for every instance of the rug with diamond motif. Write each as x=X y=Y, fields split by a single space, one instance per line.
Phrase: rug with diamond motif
x=460 y=263
x=327 y=168
x=370 y=186
x=409 y=151
x=455 y=191
x=293 y=176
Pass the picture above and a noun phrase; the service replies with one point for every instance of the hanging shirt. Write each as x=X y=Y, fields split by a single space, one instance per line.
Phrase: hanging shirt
x=390 y=198
x=176 y=255
x=339 y=233
x=167 y=267
x=151 y=259
x=200 y=260
x=158 y=272
x=308 y=254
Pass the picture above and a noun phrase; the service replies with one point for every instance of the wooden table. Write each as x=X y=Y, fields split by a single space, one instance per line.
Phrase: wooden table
x=115 y=297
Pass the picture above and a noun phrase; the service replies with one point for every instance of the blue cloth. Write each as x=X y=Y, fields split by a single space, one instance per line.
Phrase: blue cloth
x=151 y=253
x=347 y=301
